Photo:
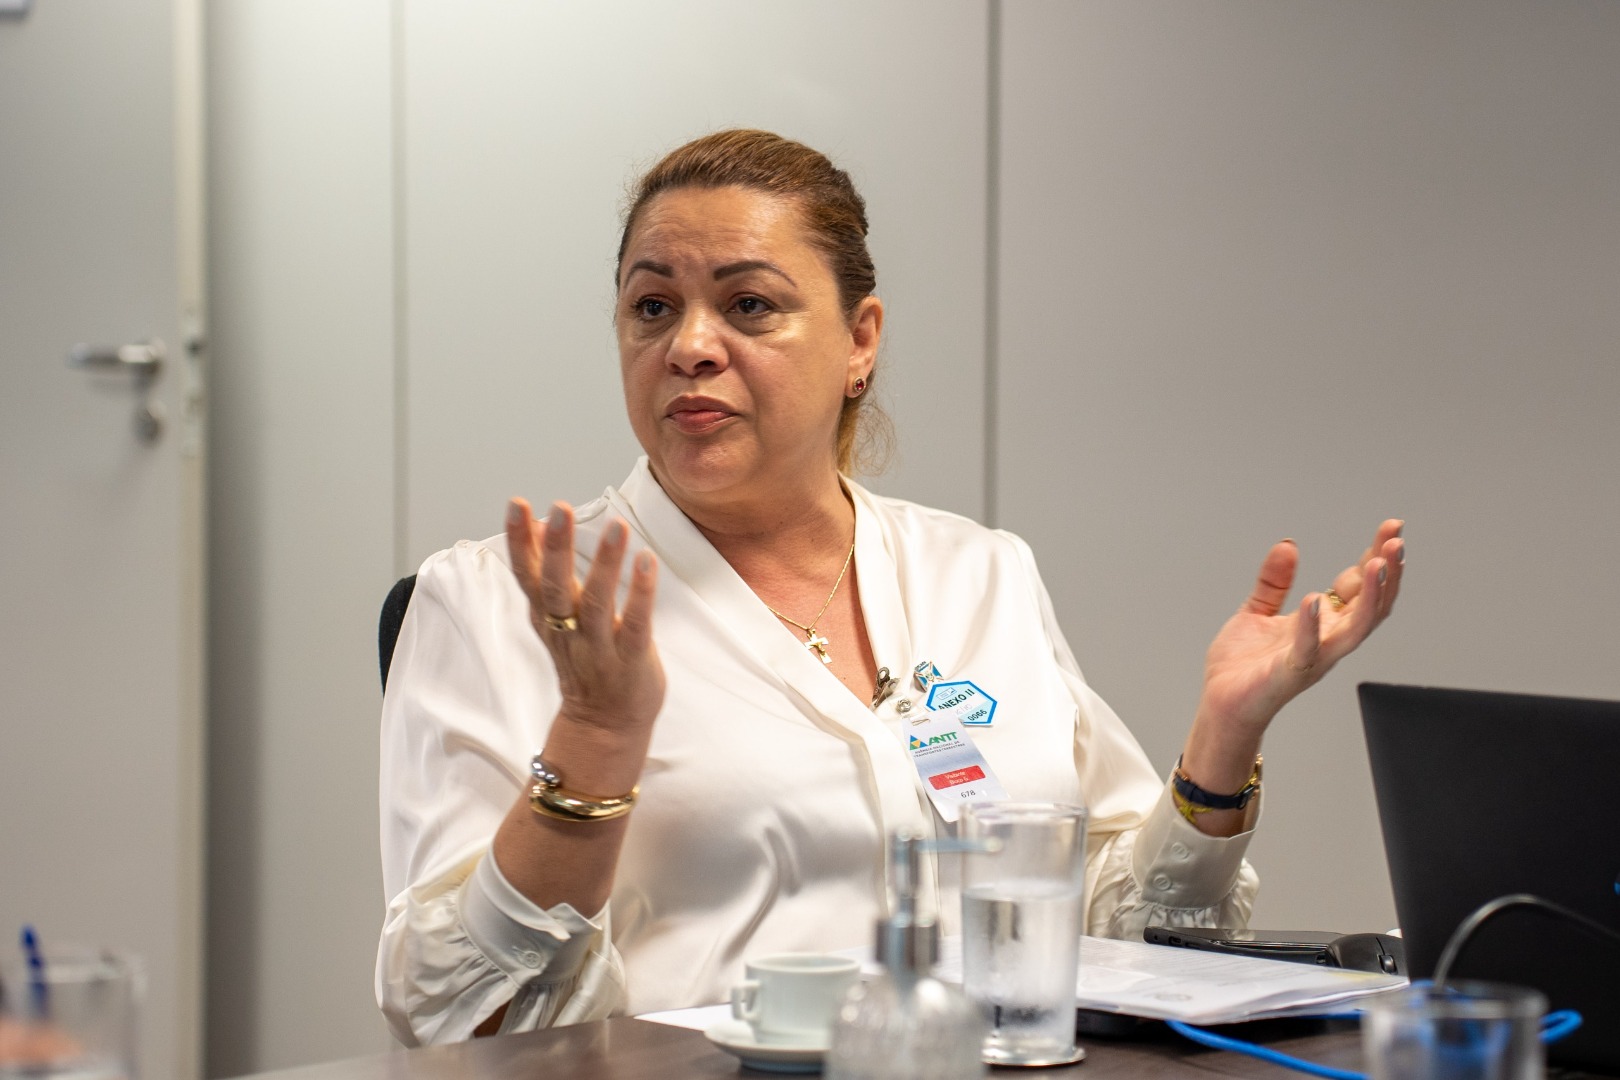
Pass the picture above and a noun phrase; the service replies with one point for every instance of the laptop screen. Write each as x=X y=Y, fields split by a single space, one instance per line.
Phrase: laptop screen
x=1484 y=794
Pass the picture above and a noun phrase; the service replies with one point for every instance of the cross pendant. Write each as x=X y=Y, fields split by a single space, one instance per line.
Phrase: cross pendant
x=818 y=645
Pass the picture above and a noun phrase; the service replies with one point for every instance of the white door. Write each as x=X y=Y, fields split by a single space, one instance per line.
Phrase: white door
x=100 y=523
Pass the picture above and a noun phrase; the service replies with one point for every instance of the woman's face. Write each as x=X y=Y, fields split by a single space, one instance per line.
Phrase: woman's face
x=735 y=353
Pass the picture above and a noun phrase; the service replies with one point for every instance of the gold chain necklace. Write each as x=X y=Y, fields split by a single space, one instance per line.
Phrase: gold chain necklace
x=812 y=640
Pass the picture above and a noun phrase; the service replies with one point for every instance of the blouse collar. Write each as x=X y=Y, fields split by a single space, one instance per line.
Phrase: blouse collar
x=688 y=555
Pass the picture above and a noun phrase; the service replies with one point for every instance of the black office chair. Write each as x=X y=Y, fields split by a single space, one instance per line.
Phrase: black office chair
x=393 y=613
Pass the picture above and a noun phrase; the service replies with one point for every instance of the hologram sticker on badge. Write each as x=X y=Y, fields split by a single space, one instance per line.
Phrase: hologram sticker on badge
x=953 y=771
x=975 y=707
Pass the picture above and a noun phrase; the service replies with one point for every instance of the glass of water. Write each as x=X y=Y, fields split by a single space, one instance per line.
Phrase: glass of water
x=74 y=1021
x=1461 y=1031
x=1021 y=928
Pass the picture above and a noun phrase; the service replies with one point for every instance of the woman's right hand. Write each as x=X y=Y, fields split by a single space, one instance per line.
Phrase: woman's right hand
x=612 y=688
x=607 y=666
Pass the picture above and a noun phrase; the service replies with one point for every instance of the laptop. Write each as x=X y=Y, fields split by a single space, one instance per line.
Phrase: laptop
x=1485 y=794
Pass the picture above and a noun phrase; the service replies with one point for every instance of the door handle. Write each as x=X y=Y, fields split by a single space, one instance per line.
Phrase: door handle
x=142 y=359
x=145 y=358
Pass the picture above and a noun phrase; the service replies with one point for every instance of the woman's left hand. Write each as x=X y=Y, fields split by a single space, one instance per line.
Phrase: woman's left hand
x=1263 y=657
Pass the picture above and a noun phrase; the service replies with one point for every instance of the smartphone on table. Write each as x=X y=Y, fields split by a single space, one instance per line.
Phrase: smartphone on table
x=1302 y=946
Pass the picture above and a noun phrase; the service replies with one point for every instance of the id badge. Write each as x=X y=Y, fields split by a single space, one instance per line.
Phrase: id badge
x=946 y=693
x=953 y=771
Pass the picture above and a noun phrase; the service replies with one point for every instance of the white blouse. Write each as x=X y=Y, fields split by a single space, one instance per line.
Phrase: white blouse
x=768 y=787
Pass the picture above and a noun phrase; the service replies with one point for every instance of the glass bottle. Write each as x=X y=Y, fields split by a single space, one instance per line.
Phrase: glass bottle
x=905 y=1024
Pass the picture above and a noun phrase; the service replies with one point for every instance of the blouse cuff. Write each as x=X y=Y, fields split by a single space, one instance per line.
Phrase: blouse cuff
x=527 y=942
x=1177 y=866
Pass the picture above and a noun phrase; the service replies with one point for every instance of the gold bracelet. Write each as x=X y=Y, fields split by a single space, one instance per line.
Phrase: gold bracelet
x=547 y=796
x=1188 y=809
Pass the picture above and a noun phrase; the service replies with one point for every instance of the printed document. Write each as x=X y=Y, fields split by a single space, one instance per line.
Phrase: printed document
x=1162 y=982
x=1169 y=983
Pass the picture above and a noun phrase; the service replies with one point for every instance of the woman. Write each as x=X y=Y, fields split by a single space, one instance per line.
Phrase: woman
x=748 y=693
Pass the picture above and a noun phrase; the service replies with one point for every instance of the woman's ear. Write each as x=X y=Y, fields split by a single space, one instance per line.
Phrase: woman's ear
x=865 y=332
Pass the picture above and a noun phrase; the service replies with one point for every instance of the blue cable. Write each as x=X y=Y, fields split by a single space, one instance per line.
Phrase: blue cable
x=1559 y=1024
x=1554 y=1026
x=1255 y=1050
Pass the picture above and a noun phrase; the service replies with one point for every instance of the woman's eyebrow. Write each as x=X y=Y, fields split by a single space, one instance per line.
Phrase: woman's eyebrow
x=661 y=269
x=732 y=269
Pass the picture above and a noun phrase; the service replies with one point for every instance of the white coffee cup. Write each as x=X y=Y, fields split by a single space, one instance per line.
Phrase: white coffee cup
x=790 y=999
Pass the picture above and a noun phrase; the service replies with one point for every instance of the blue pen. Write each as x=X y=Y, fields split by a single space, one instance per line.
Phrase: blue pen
x=36 y=973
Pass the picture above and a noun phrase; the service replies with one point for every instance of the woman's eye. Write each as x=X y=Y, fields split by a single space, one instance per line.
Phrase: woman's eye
x=751 y=305
x=649 y=308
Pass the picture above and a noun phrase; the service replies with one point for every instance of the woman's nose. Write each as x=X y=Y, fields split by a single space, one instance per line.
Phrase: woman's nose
x=698 y=344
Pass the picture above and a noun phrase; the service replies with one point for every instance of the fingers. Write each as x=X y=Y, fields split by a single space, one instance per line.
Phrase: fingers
x=597 y=598
x=1363 y=616
x=1303 y=654
x=1394 y=554
x=1369 y=613
x=558 y=588
x=1387 y=531
x=1369 y=590
x=1347 y=585
x=635 y=625
x=1385 y=544
x=543 y=563
x=1276 y=578
x=524 y=548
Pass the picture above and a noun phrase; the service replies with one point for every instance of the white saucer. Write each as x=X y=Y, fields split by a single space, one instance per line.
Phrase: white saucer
x=736 y=1037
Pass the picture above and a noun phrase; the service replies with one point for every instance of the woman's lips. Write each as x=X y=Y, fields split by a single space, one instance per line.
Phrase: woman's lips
x=698 y=416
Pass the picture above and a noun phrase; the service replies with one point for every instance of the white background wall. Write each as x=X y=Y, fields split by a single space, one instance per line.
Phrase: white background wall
x=1206 y=274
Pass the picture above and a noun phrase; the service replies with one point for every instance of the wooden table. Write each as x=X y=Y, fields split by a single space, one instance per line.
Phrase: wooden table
x=626 y=1049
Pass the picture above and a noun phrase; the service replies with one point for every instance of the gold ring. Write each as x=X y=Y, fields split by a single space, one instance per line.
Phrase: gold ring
x=1335 y=599
x=564 y=623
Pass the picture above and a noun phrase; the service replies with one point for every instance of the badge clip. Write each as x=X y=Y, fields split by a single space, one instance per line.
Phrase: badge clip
x=885 y=686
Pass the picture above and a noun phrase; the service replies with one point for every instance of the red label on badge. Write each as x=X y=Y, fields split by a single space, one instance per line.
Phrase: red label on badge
x=956 y=776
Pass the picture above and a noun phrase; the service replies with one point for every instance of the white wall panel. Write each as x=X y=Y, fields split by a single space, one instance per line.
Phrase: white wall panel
x=524 y=125
x=301 y=524
x=1284 y=268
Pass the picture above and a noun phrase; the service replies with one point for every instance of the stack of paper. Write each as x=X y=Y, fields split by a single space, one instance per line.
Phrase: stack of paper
x=1167 y=983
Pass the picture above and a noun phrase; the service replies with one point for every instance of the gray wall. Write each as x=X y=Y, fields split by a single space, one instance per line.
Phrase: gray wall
x=1206 y=274
x=522 y=126
x=301 y=523
x=1285 y=269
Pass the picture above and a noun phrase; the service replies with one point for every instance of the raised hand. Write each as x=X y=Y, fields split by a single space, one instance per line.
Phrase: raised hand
x=607 y=666
x=612 y=688
x=1263 y=657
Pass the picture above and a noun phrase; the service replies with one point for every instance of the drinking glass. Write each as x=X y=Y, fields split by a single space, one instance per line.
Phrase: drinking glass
x=76 y=1023
x=1462 y=1031
x=1021 y=927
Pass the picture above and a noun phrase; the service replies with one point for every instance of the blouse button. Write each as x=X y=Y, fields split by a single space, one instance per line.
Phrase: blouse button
x=529 y=958
x=1162 y=882
x=1179 y=850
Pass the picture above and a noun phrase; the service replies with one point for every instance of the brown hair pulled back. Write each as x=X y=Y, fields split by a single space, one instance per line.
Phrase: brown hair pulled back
x=834 y=215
